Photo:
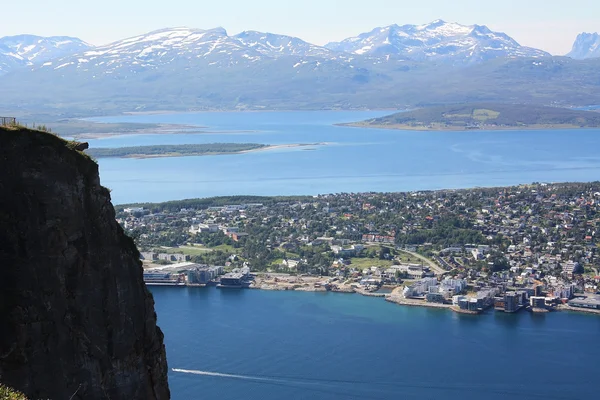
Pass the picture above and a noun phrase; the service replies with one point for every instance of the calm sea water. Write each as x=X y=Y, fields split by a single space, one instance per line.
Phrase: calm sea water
x=292 y=345
x=355 y=160
x=251 y=344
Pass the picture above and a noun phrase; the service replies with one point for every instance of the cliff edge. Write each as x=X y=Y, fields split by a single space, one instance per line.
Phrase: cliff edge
x=75 y=315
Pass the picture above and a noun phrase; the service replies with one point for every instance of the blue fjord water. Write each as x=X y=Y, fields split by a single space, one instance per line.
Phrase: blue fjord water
x=354 y=160
x=246 y=344
x=252 y=344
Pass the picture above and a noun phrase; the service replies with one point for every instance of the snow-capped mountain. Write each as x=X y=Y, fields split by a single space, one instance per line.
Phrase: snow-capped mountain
x=272 y=45
x=172 y=46
x=439 y=41
x=196 y=49
x=587 y=45
x=23 y=50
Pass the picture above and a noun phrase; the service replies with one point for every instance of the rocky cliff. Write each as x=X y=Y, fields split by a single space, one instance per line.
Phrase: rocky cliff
x=75 y=315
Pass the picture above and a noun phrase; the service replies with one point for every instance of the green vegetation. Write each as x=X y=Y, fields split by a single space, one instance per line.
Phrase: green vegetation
x=200 y=204
x=486 y=116
x=188 y=250
x=442 y=232
x=362 y=263
x=175 y=150
x=7 y=393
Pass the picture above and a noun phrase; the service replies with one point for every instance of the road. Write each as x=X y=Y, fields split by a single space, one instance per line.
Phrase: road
x=436 y=268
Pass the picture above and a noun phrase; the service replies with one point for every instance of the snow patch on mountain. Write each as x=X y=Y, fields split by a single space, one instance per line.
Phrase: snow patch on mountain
x=439 y=40
x=28 y=50
x=587 y=45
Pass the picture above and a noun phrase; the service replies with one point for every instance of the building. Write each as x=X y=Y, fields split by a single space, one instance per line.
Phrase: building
x=570 y=267
x=174 y=257
x=232 y=280
x=455 y=286
x=419 y=289
x=537 y=302
x=512 y=302
x=132 y=210
x=162 y=278
x=148 y=255
x=435 y=298
x=204 y=228
x=591 y=302
x=203 y=274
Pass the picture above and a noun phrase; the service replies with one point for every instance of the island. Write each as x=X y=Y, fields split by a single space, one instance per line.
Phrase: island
x=484 y=116
x=183 y=150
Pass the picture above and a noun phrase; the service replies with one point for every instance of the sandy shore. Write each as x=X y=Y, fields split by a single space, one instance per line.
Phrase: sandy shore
x=265 y=148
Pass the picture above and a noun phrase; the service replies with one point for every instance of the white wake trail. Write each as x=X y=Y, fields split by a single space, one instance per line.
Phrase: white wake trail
x=233 y=376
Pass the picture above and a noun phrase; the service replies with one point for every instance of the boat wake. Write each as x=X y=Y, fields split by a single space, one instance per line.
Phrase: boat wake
x=232 y=376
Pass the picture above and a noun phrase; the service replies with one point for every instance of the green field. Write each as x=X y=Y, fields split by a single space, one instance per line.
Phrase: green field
x=362 y=263
x=189 y=250
x=226 y=248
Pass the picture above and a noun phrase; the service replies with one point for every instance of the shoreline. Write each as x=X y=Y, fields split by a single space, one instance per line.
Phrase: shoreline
x=200 y=154
x=160 y=129
x=309 y=286
x=462 y=129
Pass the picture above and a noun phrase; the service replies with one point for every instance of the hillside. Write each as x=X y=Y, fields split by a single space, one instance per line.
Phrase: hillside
x=77 y=321
x=485 y=116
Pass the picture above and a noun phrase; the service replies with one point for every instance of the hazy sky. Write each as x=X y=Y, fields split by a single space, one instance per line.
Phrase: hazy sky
x=551 y=25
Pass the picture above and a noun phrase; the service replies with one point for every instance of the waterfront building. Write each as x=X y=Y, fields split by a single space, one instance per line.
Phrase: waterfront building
x=419 y=288
x=455 y=285
x=162 y=278
x=511 y=302
x=232 y=279
x=591 y=302
x=435 y=298
x=564 y=291
x=457 y=299
x=537 y=302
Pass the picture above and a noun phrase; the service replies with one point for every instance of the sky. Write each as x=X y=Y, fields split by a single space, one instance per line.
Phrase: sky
x=550 y=25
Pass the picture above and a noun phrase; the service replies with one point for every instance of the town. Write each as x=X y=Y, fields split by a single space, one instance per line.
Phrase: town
x=532 y=247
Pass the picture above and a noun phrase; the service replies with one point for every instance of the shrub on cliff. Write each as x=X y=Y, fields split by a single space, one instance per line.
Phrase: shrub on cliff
x=7 y=393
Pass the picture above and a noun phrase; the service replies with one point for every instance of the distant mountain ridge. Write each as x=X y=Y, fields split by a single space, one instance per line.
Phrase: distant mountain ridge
x=26 y=50
x=587 y=45
x=207 y=69
x=439 y=41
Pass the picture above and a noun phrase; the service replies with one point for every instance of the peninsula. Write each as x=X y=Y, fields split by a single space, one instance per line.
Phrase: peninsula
x=186 y=150
x=484 y=116
x=529 y=247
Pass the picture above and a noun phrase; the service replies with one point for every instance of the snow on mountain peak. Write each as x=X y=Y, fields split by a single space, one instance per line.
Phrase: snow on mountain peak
x=438 y=40
x=587 y=45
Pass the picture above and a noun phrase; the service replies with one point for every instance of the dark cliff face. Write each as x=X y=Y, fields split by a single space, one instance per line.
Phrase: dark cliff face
x=75 y=315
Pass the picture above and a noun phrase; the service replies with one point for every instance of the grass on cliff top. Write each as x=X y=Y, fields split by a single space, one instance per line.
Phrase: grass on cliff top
x=7 y=393
x=45 y=136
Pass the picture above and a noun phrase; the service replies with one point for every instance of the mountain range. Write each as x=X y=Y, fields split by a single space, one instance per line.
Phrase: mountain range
x=388 y=67
x=439 y=40
x=27 y=50
x=587 y=45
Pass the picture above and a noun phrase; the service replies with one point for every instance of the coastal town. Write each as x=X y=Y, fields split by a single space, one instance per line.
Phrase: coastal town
x=530 y=247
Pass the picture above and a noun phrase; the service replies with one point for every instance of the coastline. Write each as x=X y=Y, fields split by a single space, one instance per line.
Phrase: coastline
x=199 y=154
x=160 y=129
x=399 y=127
x=316 y=284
